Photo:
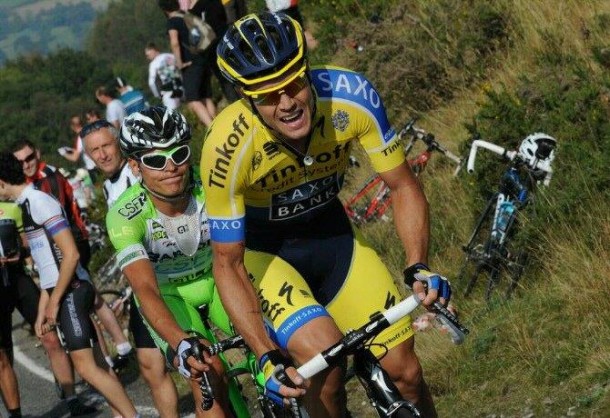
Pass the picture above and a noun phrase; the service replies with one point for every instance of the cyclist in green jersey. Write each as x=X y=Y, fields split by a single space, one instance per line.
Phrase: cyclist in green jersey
x=159 y=228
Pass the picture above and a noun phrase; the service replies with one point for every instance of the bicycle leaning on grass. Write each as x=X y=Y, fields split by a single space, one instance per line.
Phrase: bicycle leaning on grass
x=381 y=391
x=493 y=246
x=372 y=199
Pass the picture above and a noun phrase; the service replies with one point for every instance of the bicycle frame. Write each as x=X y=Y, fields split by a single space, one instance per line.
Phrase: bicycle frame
x=248 y=366
x=494 y=253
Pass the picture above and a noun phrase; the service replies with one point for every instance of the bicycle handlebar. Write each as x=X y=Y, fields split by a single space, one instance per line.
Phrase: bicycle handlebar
x=510 y=156
x=479 y=143
x=431 y=143
x=380 y=321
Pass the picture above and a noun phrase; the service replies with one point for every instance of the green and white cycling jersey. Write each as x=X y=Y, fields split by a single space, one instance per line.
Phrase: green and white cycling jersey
x=178 y=247
x=180 y=252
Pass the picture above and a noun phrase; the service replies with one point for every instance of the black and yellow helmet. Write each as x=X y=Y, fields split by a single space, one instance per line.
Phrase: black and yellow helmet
x=262 y=47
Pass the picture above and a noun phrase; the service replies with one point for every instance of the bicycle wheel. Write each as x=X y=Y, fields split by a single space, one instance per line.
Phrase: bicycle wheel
x=369 y=202
x=404 y=412
x=512 y=256
x=476 y=251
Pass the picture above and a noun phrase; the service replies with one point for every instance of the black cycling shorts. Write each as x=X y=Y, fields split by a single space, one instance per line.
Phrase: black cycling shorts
x=139 y=331
x=76 y=330
x=197 y=82
x=21 y=293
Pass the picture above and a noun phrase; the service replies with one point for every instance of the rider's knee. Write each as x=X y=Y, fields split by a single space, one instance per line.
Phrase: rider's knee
x=51 y=342
x=5 y=359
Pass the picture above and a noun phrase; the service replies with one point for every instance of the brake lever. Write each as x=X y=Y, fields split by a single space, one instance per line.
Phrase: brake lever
x=447 y=318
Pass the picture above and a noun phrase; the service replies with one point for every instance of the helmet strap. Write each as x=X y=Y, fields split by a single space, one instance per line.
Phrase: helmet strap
x=172 y=199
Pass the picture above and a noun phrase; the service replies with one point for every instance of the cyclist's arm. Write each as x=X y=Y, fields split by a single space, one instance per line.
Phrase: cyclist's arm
x=238 y=296
x=242 y=305
x=65 y=241
x=411 y=217
x=141 y=277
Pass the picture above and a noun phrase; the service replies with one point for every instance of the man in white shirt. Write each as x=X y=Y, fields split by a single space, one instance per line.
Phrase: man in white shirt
x=163 y=76
x=115 y=111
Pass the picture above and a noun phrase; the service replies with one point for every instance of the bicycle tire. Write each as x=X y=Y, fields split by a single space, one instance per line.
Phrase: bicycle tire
x=474 y=276
x=516 y=271
x=403 y=412
x=477 y=248
x=493 y=281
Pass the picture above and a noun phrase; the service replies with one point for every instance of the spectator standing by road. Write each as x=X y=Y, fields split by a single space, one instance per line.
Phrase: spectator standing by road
x=47 y=179
x=67 y=294
x=291 y=8
x=196 y=72
x=18 y=291
x=92 y=114
x=213 y=12
x=133 y=100
x=164 y=78
x=75 y=153
x=235 y=9
x=115 y=111
x=101 y=143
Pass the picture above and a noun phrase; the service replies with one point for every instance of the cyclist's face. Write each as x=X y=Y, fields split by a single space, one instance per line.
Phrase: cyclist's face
x=29 y=159
x=103 y=148
x=169 y=181
x=289 y=109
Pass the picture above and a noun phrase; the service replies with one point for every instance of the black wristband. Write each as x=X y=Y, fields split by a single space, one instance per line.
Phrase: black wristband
x=275 y=357
x=410 y=272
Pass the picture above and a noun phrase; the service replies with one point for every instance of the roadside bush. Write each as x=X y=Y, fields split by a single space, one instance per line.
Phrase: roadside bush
x=418 y=54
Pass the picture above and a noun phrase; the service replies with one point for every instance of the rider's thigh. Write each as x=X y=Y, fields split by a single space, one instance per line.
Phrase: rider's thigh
x=403 y=366
x=313 y=337
x=286 y=301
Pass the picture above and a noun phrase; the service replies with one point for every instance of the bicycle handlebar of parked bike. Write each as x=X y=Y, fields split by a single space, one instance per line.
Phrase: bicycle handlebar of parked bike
x=479 y=143
x=431 y=143
x=509 y=155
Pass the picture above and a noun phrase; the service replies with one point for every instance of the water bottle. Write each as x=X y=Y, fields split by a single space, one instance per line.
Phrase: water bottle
x=504 y=216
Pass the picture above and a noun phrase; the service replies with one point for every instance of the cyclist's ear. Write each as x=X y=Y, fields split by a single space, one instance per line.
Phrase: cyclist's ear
x=133 y=165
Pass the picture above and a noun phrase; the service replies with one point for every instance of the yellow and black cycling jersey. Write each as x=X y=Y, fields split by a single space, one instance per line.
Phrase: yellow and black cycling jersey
x=248 y=174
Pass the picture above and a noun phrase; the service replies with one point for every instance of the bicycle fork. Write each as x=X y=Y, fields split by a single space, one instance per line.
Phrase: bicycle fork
x=381 y=391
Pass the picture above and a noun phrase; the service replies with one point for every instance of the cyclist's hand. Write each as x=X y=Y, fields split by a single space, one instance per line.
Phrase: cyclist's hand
x=427 y=285
x=281 y=378
x=190 y=358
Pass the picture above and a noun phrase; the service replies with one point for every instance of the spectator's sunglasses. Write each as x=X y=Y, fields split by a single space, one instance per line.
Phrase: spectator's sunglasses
x=29 y=158
x=273 y=95
x=94 y=126
x=158 y=160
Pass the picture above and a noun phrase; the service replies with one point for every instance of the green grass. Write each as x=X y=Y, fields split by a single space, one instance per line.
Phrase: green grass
x=545 y=352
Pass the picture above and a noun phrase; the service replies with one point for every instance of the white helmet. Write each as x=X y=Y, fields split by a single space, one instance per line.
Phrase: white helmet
x=538 y=150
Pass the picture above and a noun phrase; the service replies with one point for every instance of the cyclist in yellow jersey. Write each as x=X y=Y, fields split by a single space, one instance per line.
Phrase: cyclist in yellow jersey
x=272 y=167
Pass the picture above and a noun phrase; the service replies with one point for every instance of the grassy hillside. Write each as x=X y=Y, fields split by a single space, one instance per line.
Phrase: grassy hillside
x=506 y=69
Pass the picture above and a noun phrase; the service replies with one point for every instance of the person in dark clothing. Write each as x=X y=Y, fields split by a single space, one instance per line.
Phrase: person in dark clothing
x=214 y=13
x=196 y=69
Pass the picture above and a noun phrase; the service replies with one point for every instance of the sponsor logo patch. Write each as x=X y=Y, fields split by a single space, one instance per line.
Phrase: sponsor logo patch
x=340 y=120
